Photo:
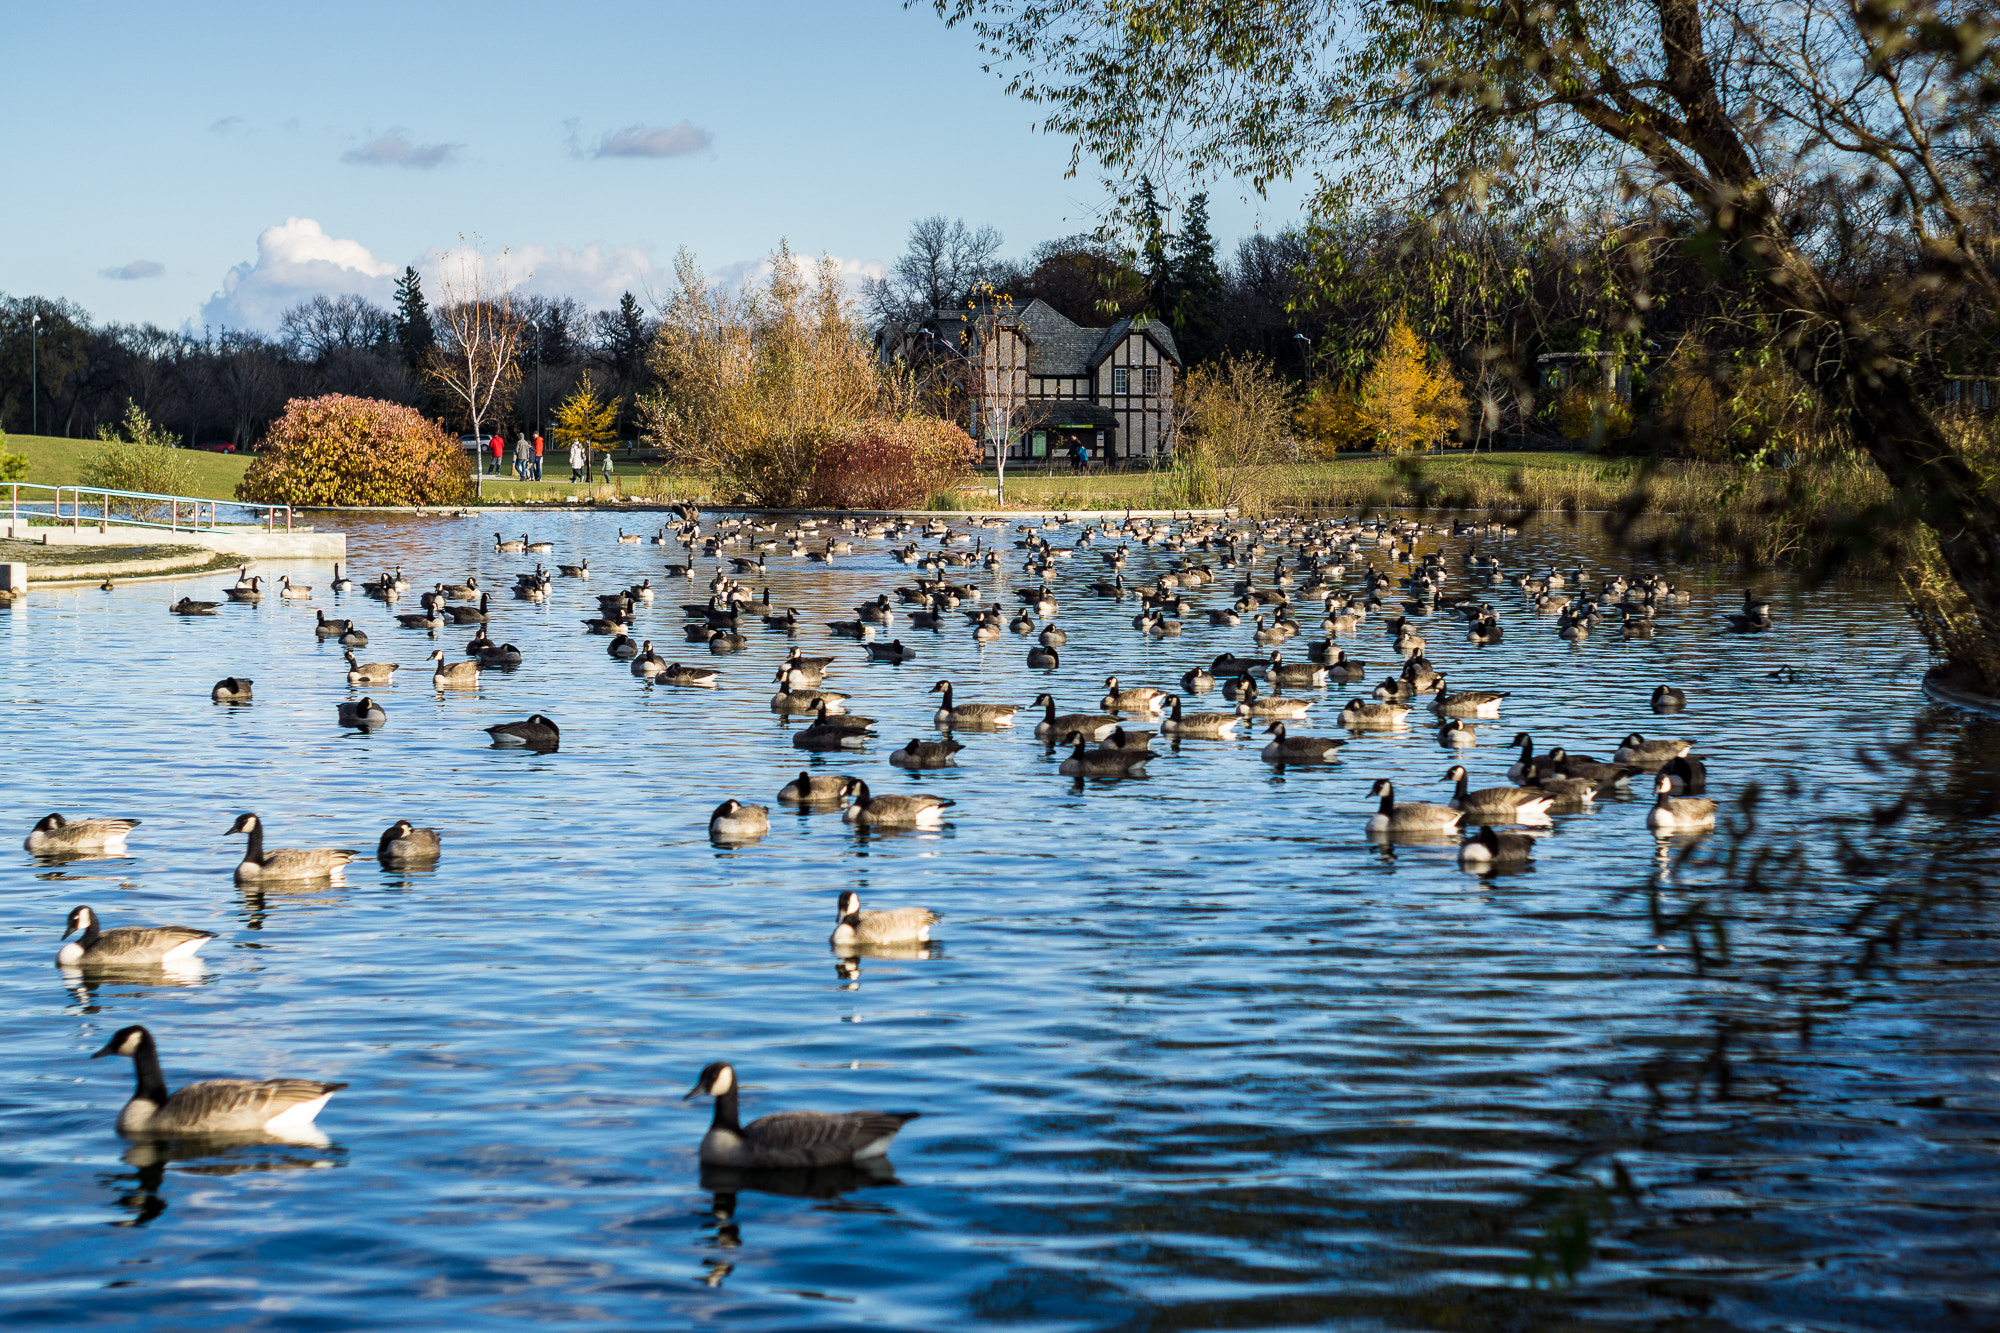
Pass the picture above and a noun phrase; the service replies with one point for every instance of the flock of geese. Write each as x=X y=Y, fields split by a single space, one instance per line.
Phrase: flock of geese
x=1286 y=578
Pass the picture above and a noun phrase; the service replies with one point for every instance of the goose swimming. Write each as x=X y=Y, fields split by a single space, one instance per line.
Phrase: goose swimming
x=790 y=1138
x=281 y=1107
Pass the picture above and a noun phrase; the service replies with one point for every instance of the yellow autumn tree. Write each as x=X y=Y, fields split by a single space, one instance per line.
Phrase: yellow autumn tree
x=585 y=418
x=1410 y=400
x=1329 y=420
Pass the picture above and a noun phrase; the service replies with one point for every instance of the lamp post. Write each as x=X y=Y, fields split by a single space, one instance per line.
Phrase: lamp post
x=35 y=373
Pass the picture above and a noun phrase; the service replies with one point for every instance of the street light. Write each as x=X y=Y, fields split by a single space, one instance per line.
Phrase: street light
x=35 y=373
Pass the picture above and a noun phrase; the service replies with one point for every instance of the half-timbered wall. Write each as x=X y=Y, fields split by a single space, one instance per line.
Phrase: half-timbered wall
x=1145 y=420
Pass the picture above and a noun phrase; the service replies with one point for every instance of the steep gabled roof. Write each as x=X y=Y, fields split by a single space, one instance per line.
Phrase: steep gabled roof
x=1056 y=344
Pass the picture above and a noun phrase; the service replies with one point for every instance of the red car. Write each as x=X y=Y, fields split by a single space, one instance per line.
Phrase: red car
x=219 y=447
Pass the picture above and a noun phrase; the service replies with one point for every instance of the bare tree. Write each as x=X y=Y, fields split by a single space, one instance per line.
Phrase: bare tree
x=326 y=325
x=1000 y=355
x=478 y=331
x=945 y=261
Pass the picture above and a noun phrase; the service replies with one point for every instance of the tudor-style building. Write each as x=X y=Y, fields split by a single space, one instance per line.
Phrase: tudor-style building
x=1064 y=384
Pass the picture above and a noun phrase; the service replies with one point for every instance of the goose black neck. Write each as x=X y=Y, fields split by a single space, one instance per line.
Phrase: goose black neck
x=149 y=1084
x=254 y=852
x=90 y=932
x=1461 y=793
x=1527 y=747
x=1388 y=806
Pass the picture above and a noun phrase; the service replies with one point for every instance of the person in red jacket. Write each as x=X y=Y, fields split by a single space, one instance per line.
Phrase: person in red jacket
x=499 y=447
x=538 y=455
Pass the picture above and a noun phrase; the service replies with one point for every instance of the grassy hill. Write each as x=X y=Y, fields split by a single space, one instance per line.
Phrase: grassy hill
x=54 y=461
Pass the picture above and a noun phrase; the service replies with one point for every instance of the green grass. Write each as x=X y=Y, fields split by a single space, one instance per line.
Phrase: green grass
x=54 y=461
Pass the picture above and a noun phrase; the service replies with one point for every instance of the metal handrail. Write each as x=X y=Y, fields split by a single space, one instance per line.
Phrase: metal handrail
x=104 y=517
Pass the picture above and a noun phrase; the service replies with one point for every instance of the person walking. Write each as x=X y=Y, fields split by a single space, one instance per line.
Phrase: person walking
x=497 y=446
x=523 y=454
x=577 y=459
x=538 y=455
x=607 y=467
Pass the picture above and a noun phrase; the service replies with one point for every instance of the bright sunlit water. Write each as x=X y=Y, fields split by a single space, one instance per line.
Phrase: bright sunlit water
x=1189 y=1050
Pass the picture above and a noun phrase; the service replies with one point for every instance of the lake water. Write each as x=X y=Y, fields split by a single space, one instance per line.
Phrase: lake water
x=1190 y=1051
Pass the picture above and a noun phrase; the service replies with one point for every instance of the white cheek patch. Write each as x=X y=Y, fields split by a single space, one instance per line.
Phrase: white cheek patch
x=723 y=1082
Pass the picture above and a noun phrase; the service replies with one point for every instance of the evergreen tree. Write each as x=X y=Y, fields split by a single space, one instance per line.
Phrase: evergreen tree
x=1198 y=288
x=628 y=340
x=413 y=319
x=1153 y=257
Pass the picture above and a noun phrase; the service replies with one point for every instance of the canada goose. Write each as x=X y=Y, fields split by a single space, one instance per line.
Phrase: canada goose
x=687 y=677
x=1042 y=658
x=1668 y=699
x=1485 y=629
x=128 y=946
x=1505 y=805
x=453 y=675
x=470 y=615
x=1636 y=749
x=1086 y=763
x=279 y=1107
x=288 y=590
x=539 y=547
x=921 y=753
x=1671 y=813
x=330 y=629
x=1688 y=774
x=1251 y=703
x=231 y=690
x=371 y=673
x=1410 y=817
x=341 y=583
x=627 y=538
x=1121 y=739
x=535 y=732
x=353 y=638
x=1208 y=726
x=828 y=792
x=499 y=655
x=1284 y=749
x=577 y=571
x=898 y=925
x=971 y=716
x=1094 y=726
x=622 y=647
x=648 y=663
x=1052 y=636
x=791 y=1139
x=799 y=703
x=1568 y=796
x=1518 y=769
x=1345 y=669
x=363 y=712
x=1198 y=681
x=1608 y=777
x=850 y=629
x=402 y=843
x=282 y=863
x=1457 y=732
x=890 y=652
x=877 y=612
x=834 y=732
x=1488 y=850
x=1138 y=699
x=1294 y=674
x=1466 y=703
x=725 y=641
x=188 y=606
x=733 y=820
x=501 y=546
x=429 y=618
x=606 y=625
x=788 y=622
x=246 y=592
x=895 y=810
x=1756 y=616
x=805 y=670
x=1396 y=690
x=54 y=835
x=1360 y=714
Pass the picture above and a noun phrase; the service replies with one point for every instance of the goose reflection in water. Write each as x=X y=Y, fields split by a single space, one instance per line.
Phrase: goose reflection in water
x=142 y=1197
x=831 y=1184
x=847 y=962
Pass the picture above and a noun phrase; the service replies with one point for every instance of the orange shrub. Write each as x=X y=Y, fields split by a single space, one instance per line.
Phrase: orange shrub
x=880 y=463
x=341 y=450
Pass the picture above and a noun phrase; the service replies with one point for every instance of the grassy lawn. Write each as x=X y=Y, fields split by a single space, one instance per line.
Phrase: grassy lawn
x=53 y=461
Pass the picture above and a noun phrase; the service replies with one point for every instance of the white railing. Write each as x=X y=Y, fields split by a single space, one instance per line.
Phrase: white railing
x=182 y=512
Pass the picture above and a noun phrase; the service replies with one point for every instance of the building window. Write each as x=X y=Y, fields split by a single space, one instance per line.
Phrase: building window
x=1151 y=381
x=1121 y=380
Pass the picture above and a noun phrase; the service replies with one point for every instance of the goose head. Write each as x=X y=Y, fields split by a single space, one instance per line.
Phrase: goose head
x=126 y=1041
x=717 y=1080
x=80 y=919
x=246 y=823
x=850 y=905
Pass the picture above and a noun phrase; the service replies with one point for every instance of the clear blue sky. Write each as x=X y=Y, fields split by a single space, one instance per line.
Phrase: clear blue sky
x=212 y=162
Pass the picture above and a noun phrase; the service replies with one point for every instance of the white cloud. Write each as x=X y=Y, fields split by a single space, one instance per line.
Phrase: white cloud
x=132 y=272
x=296 y=260
x=394 y=149
x=643 y=141
x=596 y=274
x=745 y=272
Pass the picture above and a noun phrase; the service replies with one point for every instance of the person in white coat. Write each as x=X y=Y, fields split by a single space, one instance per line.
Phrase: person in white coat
x=577 y=461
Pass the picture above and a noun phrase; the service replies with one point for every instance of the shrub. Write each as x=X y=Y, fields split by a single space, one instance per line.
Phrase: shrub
x=138 y=428
x=13 y=467
x=341 y=450
x=880 y=463
x=1590 y=415
x=1330 y=421
x=138 y=456
x=1233 y=437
